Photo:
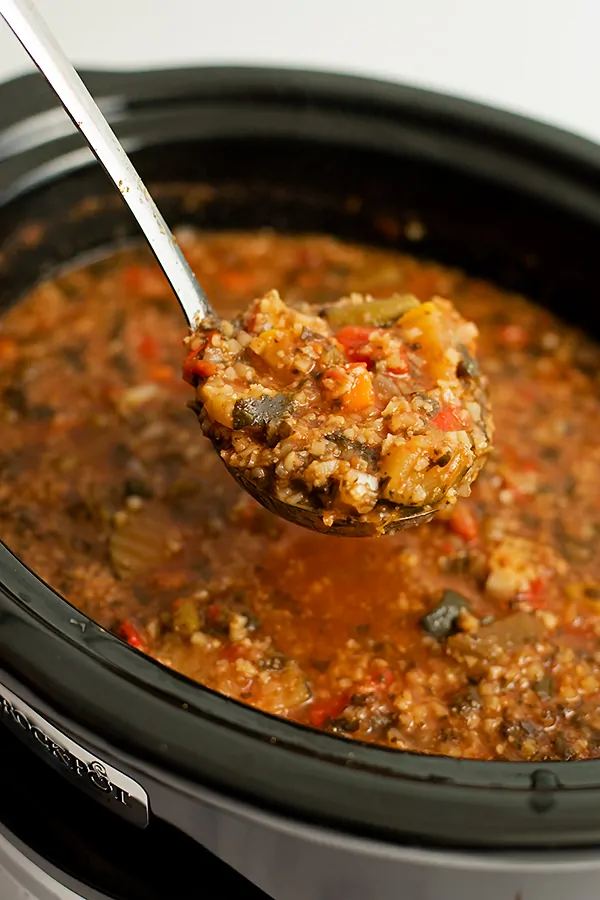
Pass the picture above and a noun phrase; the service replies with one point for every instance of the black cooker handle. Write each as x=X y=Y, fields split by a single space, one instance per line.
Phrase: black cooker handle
x=31 y=115
x=22 y=98
x=28 y=96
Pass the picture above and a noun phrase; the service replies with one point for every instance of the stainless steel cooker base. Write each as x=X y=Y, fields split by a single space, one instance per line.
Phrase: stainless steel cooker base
x=22 y=878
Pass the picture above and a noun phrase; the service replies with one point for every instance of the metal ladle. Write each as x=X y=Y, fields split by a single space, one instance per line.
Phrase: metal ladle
x=28 y=26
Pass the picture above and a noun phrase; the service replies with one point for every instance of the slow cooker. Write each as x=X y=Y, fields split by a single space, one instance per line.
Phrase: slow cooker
x=123 y=779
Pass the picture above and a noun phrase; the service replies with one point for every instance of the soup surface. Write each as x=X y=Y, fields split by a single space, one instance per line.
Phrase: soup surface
x=476 y=635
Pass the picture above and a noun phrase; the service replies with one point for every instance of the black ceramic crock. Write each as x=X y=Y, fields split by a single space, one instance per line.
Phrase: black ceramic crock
x=500 y=196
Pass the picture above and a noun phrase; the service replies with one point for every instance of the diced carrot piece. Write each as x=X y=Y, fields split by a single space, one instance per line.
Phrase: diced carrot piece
x=323 y=710
x=361 y=395
x=529 y=465
x=448 y=419
x=463 y=523
x=162 y=373
x=203 y=368
x=148 y=347
x=9 y=349
x=187 y=367
x=514 y=335
x=194 y=368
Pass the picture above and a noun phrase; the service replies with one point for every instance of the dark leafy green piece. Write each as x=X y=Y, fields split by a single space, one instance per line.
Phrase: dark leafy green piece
x=258 y=413
x=467 y=367
x=545 y=687
x=346 y=444
x=440 y=622
x=15 y=399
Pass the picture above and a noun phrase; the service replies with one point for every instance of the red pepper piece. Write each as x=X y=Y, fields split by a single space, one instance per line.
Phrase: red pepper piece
x=213 y=612
x=128 y=632
x=463 y=523
x=448 y=419
x=193 y=368
x=148 y=348
x=448 y=547
x=323 y=710
x=9 y=349
x=349 y=335
x=232 y=652
x=382 y=678
x=579 y=628
x=354 y=339
x=533 y=594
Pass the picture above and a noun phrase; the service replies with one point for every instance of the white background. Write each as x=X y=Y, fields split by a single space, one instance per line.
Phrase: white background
x=540 y=57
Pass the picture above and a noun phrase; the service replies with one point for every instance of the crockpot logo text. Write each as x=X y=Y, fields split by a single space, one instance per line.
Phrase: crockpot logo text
x=94 y=772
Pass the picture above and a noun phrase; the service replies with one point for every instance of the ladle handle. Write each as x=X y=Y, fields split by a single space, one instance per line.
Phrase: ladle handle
x=24 y=20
